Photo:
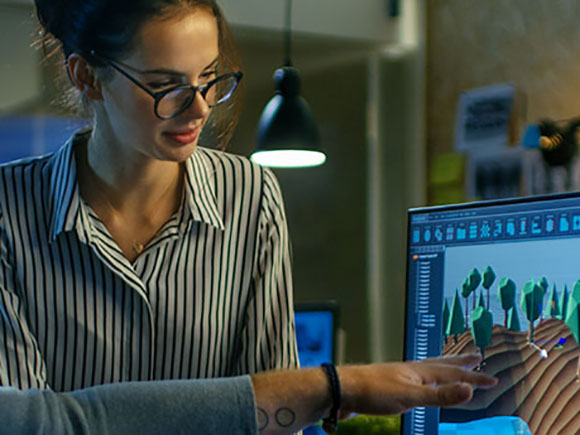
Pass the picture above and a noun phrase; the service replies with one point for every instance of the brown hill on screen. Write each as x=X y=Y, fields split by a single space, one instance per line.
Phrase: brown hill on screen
x=545 y=393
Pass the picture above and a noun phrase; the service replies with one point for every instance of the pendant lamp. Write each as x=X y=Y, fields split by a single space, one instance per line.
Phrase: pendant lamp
x=287 y=133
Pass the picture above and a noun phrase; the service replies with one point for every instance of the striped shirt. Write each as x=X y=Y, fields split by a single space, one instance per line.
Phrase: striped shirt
x=210 y=295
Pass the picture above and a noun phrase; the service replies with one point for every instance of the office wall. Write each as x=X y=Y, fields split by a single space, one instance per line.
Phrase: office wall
x=19 y=74
x=535 y=44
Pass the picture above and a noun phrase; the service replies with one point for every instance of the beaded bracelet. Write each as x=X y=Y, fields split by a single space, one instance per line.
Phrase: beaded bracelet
x=330 y=423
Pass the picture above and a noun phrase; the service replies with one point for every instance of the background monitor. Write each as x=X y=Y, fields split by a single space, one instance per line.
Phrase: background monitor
x=27 y=135
x=316 y=333
x=502 y=277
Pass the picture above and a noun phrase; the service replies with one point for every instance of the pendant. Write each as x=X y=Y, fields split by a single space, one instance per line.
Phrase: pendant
x=137 y=248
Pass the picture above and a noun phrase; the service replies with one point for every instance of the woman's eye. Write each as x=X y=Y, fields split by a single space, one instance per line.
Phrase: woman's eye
x=161 y=84
x=209 y=75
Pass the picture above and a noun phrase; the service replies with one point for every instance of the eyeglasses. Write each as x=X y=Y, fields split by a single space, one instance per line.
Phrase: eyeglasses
x=176 y=99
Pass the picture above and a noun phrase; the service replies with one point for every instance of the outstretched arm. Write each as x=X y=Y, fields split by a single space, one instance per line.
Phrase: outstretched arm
x=283 y=401
x=288 y=401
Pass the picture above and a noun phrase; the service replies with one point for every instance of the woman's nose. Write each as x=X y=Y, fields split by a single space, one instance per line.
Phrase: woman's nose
x=198 y=107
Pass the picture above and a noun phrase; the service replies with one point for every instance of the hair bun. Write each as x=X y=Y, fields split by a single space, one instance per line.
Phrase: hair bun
x=55 y=16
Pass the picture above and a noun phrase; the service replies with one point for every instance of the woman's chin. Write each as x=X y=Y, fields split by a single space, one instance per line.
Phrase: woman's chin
x=178 y=153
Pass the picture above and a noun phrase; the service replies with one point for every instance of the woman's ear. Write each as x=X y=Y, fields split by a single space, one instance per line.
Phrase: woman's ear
x=82 y=74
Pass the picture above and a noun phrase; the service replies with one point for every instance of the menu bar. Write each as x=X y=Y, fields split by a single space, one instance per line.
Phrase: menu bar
x=500 y=228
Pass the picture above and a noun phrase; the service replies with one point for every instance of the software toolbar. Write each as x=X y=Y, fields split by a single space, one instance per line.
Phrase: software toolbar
x=502 y=228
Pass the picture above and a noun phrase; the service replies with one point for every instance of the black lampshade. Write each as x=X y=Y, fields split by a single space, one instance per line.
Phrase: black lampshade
x=287 y=133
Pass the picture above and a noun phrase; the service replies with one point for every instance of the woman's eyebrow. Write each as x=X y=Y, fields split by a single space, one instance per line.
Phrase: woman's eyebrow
x=212 y=64
x=175 y=73
x=164 y=71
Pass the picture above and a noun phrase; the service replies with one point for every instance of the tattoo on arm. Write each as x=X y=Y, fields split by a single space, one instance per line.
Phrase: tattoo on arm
x=285 y=417
x=263 y=419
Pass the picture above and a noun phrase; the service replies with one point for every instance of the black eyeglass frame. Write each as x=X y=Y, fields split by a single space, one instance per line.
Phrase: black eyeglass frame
x=158 y=96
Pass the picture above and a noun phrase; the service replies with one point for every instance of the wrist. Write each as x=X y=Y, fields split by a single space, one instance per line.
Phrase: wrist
x=330 y=422
x=350 y=383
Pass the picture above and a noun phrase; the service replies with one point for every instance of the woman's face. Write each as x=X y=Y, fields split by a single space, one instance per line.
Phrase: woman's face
x=180 y=50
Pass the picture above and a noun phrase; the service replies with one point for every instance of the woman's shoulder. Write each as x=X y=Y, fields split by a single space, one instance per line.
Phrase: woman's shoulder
x=214 y=156
x=29 y=169
x=25 y=162
x=234 y=171
x=234 y=166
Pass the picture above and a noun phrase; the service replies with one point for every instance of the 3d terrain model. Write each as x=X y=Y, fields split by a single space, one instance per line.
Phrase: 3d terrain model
x=539 y=369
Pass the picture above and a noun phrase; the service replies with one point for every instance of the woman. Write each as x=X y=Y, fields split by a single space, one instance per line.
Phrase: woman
x=132 y=253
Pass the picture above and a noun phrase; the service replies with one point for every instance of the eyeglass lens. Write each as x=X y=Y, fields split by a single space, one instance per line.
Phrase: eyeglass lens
x=177 y=100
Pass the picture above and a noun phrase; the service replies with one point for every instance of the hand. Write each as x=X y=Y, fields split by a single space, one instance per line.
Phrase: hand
x=393 y=388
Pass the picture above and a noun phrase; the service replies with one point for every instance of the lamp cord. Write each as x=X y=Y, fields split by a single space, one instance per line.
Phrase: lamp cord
x=288 y=33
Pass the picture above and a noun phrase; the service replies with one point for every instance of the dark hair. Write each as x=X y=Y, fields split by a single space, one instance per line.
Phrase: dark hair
x=109 y=28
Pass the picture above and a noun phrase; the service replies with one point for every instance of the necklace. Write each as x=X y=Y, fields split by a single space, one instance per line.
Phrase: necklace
x=138 y=247
x=95 y=192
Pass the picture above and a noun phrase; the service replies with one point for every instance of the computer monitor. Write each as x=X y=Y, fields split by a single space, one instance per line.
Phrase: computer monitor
x=316 y=333
x=502 y=277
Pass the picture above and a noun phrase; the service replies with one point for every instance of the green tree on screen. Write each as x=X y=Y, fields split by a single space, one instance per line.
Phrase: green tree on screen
x=481 y=328
x=465 y=292
x=573 y=319
x=480 y=302
x=488 y=279
x=552 y=308
x=506 y=292
x=563 y=304
x=455 y=325
x=532 y=304
x=474 y=281
x=544 y=285
x=445 y=319
x=573 y=314
x=513 y=322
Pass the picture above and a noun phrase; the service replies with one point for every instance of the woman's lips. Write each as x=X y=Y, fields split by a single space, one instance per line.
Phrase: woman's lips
x=183 y=137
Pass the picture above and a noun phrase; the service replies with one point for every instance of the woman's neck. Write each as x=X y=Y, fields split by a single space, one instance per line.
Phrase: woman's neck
x=116 y=184
x=130 y=181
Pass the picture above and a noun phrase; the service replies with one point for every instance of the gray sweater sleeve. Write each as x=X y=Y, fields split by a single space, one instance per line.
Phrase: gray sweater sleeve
x=162 y=407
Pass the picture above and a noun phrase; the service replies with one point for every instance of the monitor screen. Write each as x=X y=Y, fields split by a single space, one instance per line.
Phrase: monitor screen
x=316 y=329
x=501 y=277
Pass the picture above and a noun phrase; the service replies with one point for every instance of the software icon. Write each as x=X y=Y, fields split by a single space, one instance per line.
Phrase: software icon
x=416 y=235
x=550 y=224
x=510 y=228
x=564 y=224
x=576 y=222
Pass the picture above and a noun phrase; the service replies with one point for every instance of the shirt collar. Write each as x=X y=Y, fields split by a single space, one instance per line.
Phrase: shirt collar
x=64 y=192
x=65 y=198
x=200 y=189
